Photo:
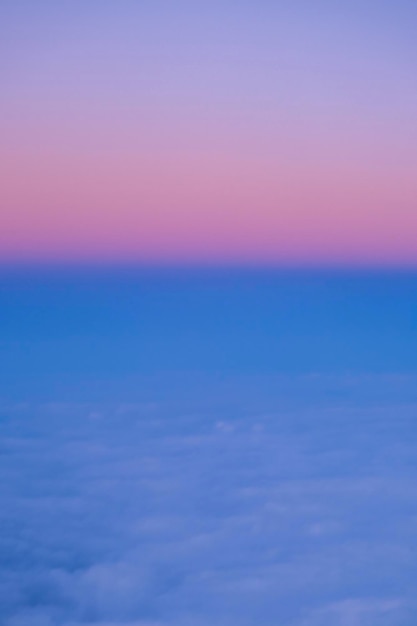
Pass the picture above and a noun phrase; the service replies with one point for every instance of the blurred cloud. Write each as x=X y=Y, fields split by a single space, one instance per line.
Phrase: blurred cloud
x=196 y=507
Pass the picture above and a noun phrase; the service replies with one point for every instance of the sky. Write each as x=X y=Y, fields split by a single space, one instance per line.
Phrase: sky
x=208 y=313
x=277 y=133
x=66 y=329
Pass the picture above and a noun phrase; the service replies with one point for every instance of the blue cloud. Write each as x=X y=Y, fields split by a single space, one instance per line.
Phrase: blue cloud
x=213 y=503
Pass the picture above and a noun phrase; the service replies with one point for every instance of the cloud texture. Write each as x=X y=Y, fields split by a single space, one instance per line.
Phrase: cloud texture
x=212 y=506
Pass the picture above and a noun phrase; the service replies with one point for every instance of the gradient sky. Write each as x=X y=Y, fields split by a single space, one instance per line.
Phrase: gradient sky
x=262 y=132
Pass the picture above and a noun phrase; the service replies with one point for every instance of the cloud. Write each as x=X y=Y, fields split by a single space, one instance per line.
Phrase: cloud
x=358 y=612
x=202 y=509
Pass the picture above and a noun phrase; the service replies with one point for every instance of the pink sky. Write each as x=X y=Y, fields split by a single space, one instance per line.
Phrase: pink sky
x=204 y=149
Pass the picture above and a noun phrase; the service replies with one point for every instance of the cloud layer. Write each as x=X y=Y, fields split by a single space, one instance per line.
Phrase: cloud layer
x=210 y=507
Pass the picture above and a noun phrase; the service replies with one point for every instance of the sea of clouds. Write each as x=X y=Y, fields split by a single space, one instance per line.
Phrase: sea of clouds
x=287 y=502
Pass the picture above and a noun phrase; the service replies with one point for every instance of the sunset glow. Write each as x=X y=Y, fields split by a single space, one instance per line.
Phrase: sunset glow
x=268 y=135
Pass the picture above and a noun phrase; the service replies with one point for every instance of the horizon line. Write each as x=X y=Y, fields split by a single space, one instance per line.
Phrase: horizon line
x=198 y=265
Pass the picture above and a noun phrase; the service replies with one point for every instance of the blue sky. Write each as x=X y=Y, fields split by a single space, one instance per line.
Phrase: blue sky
x=112 y=324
